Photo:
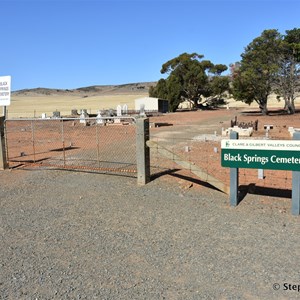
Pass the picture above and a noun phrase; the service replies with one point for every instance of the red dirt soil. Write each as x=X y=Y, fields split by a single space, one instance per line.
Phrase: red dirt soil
x=274 y=181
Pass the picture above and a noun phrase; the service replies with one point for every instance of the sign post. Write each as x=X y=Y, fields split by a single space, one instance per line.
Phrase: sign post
x=262 y=154
x=296 y=185
x=234 y=178
x=5 y=91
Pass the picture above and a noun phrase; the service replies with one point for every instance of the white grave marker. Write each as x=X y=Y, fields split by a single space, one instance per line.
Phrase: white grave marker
x=142 y=110
x=119 y=114
x=82 y=117
x=100 y=119
x=125 y=109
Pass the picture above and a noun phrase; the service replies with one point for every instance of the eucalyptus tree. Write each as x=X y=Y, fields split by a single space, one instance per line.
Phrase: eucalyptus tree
x=218 y=84
x=287 y=85
x=188 y=79
x=255 y=78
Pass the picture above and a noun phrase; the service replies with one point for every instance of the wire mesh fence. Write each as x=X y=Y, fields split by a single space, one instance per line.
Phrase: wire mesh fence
x=183 y=149
x=190 y=151
x=106 y=145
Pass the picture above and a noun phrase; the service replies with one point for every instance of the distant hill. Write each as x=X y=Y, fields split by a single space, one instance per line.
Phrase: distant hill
x=95 y=90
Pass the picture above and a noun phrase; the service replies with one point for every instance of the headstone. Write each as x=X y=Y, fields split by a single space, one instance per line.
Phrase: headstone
x=74 y=112
x=119 y=111
x=119 y=114
x=142 y=110
x=56 y=114
x=267 y=129
x=261 y=174
x=82 y=118
x=99 y=119
x=111 y=112
x=125 y=109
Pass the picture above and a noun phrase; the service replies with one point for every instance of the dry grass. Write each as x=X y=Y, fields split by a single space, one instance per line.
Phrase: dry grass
x=35 y=105
x=30 y=106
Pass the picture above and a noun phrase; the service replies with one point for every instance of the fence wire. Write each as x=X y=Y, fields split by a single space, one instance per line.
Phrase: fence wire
x=202 y=150
x=73 y=143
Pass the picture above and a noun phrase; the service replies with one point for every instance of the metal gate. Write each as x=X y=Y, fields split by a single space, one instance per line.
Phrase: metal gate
x=104 y=145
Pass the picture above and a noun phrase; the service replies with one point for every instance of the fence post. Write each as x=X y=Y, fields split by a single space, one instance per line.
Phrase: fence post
x=3 y=160
x=234 y=178
x=142 y=151
x=296 y=185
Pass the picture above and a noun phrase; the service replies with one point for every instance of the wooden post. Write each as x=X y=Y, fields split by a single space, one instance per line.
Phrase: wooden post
x=3 y=160
x=234 y=178
x=142 y=151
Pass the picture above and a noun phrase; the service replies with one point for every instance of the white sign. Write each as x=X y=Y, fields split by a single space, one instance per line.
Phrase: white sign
x=286 y=145
x=5 y=90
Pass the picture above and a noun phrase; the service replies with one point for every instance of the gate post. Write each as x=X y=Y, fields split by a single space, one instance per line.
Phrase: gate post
x=142 y=151
x=296 y=185
x=3 y=160
x=234 y=178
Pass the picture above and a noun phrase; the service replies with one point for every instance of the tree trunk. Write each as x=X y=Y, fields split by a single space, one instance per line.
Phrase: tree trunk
x=289 y=106
x=293 y=108
x=263 y=108
x=195 y=103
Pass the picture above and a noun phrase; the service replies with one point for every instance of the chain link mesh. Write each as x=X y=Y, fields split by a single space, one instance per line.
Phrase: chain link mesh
x=73 y=143
x=204 y=151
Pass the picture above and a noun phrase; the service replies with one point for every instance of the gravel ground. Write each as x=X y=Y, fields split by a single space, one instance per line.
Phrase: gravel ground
x=76 y=235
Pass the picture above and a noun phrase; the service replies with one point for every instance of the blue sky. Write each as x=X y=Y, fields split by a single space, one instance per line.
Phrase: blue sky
x=75 y=43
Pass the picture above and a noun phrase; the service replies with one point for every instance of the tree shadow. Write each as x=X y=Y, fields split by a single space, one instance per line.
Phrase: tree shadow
x=271 y=112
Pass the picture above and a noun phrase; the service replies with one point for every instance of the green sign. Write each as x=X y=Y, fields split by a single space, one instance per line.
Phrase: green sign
x=261 y=154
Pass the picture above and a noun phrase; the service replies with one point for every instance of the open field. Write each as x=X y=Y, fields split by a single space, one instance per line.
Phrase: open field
x=30 y=106
x=35 y=102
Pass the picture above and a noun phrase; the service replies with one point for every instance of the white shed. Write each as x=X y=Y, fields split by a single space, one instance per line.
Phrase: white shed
x=152 y=104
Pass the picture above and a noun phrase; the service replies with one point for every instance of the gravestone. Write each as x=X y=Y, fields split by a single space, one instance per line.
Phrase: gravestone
x=74 y=112
x=82 y=118
x=119 y=114
x=56 y=114
x=125 y=109
x=142 y=110
x=99 y=119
